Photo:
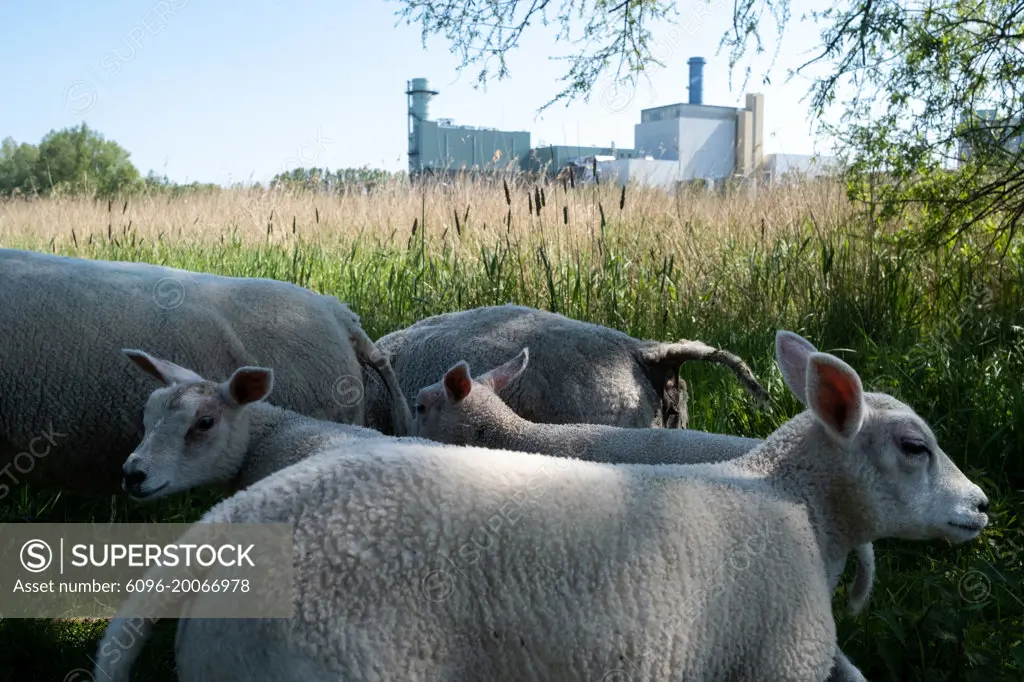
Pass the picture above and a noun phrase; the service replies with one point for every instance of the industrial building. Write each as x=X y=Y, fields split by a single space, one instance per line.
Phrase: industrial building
x=694 y=141
x=709 y=142
x=555 y=157
x=441 y=146
x=676 y=143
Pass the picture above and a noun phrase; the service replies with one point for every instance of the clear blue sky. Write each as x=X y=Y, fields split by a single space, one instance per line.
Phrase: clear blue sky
x=233 y=91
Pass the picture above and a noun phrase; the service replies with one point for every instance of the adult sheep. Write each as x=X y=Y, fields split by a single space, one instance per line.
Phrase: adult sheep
x=587 y=570
x=64 y=378
x=580 y=372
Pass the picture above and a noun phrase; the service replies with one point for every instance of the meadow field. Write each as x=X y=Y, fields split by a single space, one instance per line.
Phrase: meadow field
x=941 y=328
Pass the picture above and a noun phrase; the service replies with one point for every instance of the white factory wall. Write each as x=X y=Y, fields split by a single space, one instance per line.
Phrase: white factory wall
x=705 y=141
x=708 y=147
x=667 y=174
x=654 y=172
x=659 y=139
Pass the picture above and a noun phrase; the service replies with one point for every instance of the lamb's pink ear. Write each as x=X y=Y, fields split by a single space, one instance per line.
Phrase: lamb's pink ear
x=835 y=395
x=161 y=370
x=792 y=352
x=248 y=384
x=457 y=382
x=502 y=375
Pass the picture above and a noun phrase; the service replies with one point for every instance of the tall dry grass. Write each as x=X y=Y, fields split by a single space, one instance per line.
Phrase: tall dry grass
x=464 y=215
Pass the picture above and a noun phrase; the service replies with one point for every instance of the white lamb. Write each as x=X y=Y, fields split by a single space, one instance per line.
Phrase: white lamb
x=199 y=432
x=580 y=373
x=699 y=572
x=65 y=321
x=463 y=410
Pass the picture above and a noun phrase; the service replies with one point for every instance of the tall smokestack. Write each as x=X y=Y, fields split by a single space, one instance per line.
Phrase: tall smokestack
x=421 y=95
x=418 y=110
x=696 y=80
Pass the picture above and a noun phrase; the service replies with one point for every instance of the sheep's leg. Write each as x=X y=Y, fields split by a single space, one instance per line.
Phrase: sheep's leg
x=672 y=392
x=865 y=577
x=843 y=670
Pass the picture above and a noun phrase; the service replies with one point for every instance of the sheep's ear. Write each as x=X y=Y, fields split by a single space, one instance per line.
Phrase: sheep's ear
x=792 y=352
x=161 y=370
x=248 y=384
x=502 y=375
x=457 y=382
x=835 y=395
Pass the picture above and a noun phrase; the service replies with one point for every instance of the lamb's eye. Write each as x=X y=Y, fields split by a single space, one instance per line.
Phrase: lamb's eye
x=913 y=446
x=421 y=408
x=204 y=423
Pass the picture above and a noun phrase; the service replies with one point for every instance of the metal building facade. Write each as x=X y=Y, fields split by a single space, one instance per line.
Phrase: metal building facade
x=441 y=146
x=556 y=156
x=453 y=148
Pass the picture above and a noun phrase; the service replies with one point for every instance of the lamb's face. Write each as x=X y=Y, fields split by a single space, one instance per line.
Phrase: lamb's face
x=428 y=403
x=917 y=490
x=196 y=430
x=895 y=480
x=441 y=416
x=187 y=442
x=458 y=410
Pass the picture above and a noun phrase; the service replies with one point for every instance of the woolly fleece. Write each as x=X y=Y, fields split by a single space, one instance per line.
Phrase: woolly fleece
x=422 y=561
x=62 y=372
x=579 y=373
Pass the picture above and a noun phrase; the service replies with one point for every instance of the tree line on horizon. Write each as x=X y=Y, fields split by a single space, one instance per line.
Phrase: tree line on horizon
x=81 y=161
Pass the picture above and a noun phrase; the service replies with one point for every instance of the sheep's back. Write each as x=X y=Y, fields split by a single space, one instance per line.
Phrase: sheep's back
x=578 y=372
x=470 y=563
x=62 y=369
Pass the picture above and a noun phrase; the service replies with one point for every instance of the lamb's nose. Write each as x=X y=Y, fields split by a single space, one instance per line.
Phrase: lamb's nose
x=134 y=479
x=983 y=506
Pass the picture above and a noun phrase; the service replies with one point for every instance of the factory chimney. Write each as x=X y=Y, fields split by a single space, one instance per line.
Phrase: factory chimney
x=418 y=96
x=696 y=80
x=421 y=95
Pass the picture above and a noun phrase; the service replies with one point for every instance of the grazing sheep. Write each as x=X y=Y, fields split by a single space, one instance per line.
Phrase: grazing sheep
x=581 y=373
x=199 y=432
x=697 y=572
x=464 y=410
x=61 y=367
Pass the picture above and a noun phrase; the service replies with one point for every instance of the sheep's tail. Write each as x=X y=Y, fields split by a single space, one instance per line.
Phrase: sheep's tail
x=371 y=356
x=864 y=578
x=675 y=354
x=126 y=633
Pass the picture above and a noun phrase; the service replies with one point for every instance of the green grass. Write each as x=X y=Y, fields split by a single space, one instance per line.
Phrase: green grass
x=941 y=330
